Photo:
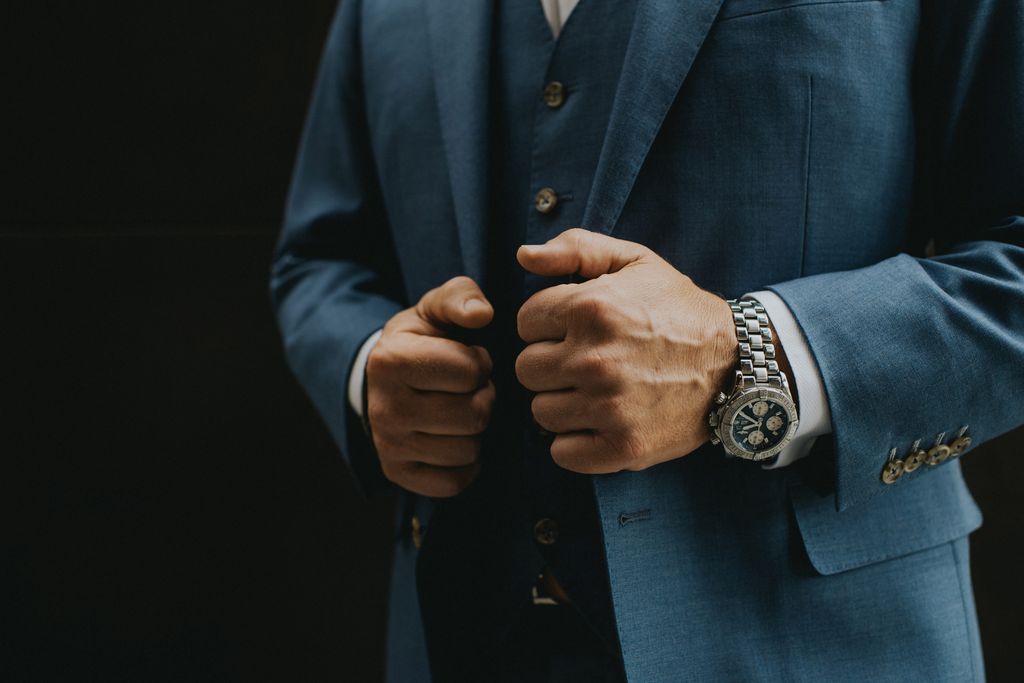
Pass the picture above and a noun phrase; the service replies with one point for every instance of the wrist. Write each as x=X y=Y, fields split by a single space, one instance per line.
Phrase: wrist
x=725 y=356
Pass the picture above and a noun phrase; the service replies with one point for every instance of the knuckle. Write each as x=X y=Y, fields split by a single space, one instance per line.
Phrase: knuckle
x=464 y=381
x=559 y=457
x=445 y=488
x=524 y=365
x=592 y=309
x=454 y=483
x=480 y=415
x=522 y=317
x=593 y=363
x=481 y=368
x=393 y=472
x=459 y=282
x=632 y=451
x=576 y=234
x=616 y=409
x=463 y=451
x=544 y=415
x=563 y=455
x=376 y=407
x=538 y=410
x=378 y=413
x=485 y=362
x=382 y=360
x=488 y=394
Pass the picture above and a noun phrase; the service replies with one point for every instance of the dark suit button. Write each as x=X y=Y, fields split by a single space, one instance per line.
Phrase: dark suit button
x=546 y=200
x=546 y=531
x=554 y=94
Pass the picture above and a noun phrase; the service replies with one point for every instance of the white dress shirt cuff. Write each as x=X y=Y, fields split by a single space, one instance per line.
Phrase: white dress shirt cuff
x=814 y=414
x=358 y=373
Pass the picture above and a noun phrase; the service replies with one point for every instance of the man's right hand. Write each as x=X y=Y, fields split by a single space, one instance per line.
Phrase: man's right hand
x=428 y=396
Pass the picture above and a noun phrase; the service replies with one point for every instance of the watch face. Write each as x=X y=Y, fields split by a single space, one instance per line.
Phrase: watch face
x=760 y=423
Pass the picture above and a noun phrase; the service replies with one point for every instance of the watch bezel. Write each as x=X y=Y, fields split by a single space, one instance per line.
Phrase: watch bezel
x=739 y=399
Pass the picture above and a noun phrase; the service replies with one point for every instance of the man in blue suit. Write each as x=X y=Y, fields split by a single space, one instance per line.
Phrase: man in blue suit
x=706 y=424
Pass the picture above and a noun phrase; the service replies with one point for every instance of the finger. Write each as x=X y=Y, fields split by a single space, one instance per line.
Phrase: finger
x=440 y=451
x=545 y=314
x=447 y=414
x=563 y=411
x=435 y=363
x=586 y=452
x=580 y=251
x=541 y=366
x=458 y=301
x=432 y=481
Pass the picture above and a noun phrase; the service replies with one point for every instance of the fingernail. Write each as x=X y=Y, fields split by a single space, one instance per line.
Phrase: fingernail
x=471 y=305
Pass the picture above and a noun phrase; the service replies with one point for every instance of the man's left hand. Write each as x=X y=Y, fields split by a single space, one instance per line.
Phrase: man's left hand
x=626 y=365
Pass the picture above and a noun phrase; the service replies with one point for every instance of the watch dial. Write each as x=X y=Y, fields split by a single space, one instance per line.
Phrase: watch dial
x=760 y=425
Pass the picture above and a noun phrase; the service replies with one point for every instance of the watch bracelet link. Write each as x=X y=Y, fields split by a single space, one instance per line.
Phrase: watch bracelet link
x=758 y=365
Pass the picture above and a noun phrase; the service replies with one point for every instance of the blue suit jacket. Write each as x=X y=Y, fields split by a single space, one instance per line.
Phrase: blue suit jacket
x=818 y=148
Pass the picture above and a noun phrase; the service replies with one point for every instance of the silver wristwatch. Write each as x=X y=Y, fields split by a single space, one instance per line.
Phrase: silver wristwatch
x=758 y=418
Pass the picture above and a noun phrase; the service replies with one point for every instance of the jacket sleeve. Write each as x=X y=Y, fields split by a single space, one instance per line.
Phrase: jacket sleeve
x=914 y=346
x=335 y=278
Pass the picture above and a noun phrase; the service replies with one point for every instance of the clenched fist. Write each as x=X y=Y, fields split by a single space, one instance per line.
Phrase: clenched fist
x=625 y=365
x=428 y=396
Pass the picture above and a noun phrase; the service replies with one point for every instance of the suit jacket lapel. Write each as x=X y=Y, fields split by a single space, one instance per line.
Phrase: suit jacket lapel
x=667 y=34
x=460 y=40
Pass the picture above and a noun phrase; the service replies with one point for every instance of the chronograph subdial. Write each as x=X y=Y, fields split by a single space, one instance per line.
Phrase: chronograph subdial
x=760 y=409
x=774 y=423
x=755 y=438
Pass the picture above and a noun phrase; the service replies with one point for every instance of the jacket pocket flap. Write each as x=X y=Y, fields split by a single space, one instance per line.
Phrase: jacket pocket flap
x=911 y=516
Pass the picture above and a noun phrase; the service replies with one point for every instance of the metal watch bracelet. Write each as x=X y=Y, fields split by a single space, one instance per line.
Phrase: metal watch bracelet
x=758 y=364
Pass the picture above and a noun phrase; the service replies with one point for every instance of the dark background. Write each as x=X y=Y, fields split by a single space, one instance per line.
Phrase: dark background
x=172 y=507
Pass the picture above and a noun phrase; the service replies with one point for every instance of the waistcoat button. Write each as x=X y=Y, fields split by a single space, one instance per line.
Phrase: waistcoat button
x=554 y=94
x=545 y=531
x=546 y=200
x=417 y=531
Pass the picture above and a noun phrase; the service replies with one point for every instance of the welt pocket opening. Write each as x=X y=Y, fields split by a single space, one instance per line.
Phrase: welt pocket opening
x=735 y=9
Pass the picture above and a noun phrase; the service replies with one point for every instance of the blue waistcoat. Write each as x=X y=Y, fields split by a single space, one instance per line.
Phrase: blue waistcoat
x=492 y=567
x=529 y=136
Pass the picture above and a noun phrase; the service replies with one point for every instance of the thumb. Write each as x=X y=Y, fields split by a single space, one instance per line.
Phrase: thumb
x=579 y=251
x=458 y=301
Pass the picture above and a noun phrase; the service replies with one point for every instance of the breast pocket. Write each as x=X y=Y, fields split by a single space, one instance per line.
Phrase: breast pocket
x=732 y=9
